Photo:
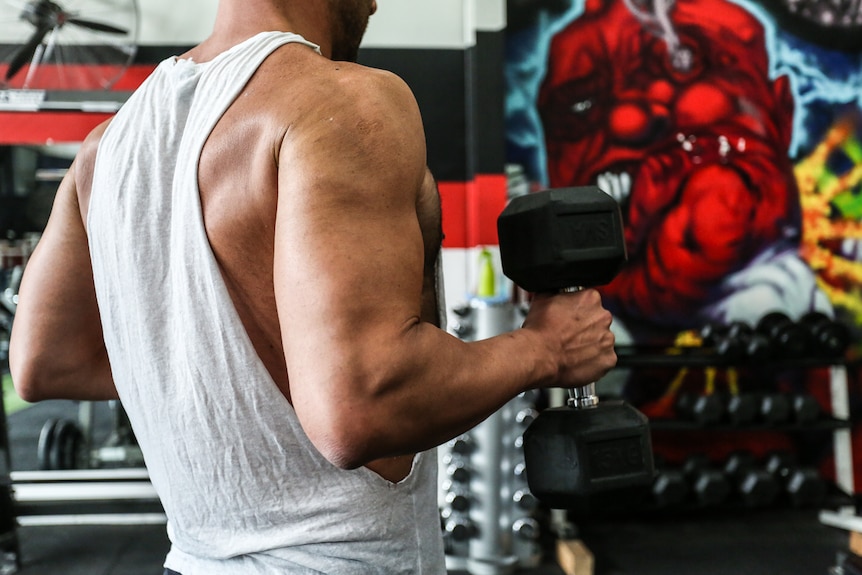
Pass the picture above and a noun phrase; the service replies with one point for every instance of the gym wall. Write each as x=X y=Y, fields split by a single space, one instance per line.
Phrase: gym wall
x=729 y=132
x=449 y=51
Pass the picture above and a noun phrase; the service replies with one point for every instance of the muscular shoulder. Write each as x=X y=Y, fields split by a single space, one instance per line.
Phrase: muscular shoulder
x=361 y=101
x=358 y=118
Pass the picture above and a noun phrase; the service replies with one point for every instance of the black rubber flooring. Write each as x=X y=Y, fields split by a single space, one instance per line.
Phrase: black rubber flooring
x=93 y=550
x=779 y=542
x=765 y=543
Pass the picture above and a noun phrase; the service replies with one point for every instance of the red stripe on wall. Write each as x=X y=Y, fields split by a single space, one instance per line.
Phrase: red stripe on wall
x=41 y=128
x=470 y=210
x=47 y=127
x=81 y=76
x=453 y=202
x=486 y=198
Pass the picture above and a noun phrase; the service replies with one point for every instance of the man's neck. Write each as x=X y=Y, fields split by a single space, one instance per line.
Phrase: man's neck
x=238 y=20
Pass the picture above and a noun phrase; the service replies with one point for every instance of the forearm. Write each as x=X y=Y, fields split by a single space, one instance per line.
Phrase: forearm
x=42 y=372
x=424 y=389
x=53 y=352
x=56 y=350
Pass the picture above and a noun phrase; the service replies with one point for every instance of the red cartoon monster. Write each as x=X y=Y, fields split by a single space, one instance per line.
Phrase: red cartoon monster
x=669 y=107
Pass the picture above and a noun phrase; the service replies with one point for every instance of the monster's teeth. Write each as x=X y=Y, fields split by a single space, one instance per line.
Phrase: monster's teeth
x=618 y=186
x=604 y=182
x=626 y=183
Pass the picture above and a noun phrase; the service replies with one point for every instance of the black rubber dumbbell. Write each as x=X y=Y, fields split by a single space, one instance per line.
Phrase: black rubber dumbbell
x=803 y=486
x=787 y=338
x=704 y=409
x=775 y=408
x=755 y=486
x=829 y=338
x=806 y=409
x=715 y=337
x=742 y=408
x=670 y=488
x=708 y=485
x=588 y=455
x=736 y=342
x=754 y=346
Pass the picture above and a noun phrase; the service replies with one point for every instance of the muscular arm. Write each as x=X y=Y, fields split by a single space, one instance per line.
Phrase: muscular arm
x=56 y=348
x=368 y=378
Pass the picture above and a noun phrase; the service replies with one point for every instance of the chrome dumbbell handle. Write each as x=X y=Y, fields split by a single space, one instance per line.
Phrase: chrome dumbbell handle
x=583 y=397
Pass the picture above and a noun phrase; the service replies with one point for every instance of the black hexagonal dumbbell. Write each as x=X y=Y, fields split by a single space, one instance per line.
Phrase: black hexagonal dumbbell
x=786 y=337
x=587 y=455
x=806 y=408
x=670 y=488
x=742 y=408
x=775 y=408
x=736 y=342
x=701 y=408
x=828 y=337
x=803 y=486
x=709 y=486
x=754 y=486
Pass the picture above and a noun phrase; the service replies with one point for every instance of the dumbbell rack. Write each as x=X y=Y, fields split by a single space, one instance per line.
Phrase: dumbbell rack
x=10 y=549
x=837 y=422
x=487 y=511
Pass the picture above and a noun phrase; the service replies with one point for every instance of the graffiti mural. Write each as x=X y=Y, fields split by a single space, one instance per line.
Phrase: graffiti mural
x=730 y=131
x=717 y=132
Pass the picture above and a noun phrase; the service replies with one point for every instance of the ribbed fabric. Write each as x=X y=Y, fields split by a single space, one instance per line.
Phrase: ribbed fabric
x=244 y=489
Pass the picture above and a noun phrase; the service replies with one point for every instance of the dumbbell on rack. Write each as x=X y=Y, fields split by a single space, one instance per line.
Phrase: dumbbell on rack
x=777 y=408
x=742 y=408
x=702 y=408
x=774 y=408
x=806 y=409
x=827 y=337
x=803 y=486
x=735 y=342
x=776 y=335
x=755 y=487
x=708 y=485
x=670 y=488
x=787 y=338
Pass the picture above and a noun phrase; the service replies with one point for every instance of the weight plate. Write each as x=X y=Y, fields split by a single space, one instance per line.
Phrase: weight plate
x=66 y=445
x=46 y=440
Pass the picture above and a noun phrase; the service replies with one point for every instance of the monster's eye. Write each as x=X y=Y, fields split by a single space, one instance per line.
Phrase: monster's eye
x=582 y=106
x=575 y=107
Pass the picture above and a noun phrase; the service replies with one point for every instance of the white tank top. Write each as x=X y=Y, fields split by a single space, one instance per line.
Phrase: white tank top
x=243 y=488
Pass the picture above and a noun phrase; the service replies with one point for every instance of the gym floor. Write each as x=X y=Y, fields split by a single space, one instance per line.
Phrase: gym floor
x=779 y=542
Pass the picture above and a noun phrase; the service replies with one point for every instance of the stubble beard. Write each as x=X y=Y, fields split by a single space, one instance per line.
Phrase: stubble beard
x=349 y=22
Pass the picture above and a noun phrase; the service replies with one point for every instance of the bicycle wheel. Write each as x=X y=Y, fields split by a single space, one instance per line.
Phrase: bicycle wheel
x=67 y=44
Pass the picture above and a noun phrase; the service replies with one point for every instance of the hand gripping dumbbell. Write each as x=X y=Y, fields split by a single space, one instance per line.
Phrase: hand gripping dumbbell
x=583 y=456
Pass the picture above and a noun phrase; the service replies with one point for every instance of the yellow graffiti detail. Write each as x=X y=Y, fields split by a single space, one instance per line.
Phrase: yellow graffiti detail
x=839 y=278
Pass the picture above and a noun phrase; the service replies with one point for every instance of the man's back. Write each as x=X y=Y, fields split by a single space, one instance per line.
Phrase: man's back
x=230 y=460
